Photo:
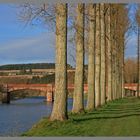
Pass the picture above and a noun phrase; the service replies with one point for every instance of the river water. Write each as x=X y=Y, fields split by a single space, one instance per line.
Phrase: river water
x=21 y=115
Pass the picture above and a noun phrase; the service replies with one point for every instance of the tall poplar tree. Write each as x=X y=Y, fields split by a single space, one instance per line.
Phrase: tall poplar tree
x=91 y=56
x=78 y=97
x=59 y=111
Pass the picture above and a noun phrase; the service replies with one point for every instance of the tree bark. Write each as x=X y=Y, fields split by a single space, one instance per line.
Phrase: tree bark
x=91 y=57
x=102 y=77
x=138 y=62
x=112 y=54
x=59 y=111
x=122 y=78
x=78 y=98
x=115 y=54
x=109 y=70
x=97 y=57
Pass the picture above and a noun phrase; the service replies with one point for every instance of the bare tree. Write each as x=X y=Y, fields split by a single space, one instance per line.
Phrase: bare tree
x=33 y=14
x=103 y=49
x=123 y=26
x=97 y=57
x=78 y=98
x=130 y=69
x=108 y=52
x=59 y=111
x=91 y=56
x=138 y=49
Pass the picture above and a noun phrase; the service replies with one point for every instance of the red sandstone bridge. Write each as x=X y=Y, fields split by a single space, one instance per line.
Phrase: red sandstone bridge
x=48 y=89
x=131 y=86
x=40 y=87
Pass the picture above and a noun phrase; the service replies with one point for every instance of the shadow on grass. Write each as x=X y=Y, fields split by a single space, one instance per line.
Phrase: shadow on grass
x=114 y=112
x=90 y=123
x=109 y=111
x=119 y=110
x=106 y=117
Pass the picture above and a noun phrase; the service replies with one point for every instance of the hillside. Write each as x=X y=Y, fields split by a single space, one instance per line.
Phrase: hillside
x=30 y=66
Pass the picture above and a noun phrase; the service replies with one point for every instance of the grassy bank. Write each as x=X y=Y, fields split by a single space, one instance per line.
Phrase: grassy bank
x=117 y=118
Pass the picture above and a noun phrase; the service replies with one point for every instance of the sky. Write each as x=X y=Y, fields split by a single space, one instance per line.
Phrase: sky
x=20 y=44
x=131 y=45
x=33 y=44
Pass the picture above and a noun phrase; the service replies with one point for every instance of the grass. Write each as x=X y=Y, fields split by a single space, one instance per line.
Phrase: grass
x=117 y=118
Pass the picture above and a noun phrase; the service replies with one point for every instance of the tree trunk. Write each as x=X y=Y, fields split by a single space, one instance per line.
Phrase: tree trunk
x=102 y=77
x=109 y=70
x=78 y=98
x=97 y=57
x=121 y=64
x=118 y=52
x=138 y=63
x=91 y=58
x=115 y=55
x=122 y=69
x=112 y=54
x=59 y=111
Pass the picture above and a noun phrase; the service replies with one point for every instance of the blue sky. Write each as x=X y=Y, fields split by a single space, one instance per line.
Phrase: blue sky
x=19 y=44
x=131 y=45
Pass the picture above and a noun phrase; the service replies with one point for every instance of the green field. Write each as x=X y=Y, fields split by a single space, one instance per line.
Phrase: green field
x=117 y=118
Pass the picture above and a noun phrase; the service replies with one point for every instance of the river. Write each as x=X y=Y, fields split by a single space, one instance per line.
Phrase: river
x=21 y=115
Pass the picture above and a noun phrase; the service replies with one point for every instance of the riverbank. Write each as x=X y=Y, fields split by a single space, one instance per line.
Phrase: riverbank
x=117 y=118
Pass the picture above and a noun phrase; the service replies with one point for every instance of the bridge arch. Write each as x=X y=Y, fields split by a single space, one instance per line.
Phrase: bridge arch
x=48 y=89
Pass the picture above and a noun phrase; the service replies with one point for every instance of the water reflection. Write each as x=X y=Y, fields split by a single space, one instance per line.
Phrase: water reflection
x=21 y=115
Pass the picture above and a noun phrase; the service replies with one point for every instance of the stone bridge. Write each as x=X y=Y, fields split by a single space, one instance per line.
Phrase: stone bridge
x=131 y=86
x=49 y=89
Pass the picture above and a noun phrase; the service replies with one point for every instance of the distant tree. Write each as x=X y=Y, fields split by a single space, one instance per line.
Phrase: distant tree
x=22 y=71
x=1 y=88
x=30 y=70
x=130 y=69
x=123 y=26
x=138 y=49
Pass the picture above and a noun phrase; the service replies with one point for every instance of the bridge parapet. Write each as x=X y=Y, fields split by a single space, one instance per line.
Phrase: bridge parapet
x=49 y=89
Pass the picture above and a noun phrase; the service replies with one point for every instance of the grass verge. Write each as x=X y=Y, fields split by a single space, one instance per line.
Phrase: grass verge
x=116 y=118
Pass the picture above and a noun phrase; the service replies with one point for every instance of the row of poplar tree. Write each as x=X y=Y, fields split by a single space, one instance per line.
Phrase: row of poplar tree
x=107 y=25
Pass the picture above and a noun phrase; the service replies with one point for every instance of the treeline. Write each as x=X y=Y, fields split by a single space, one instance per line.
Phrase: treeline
x=105 y=25
x=30 y=66
x=47 y=79
x=130 y=70
x=101 y=29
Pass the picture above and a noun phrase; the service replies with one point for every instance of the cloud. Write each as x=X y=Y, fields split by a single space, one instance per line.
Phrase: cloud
x=23 y=45
x=35 y=48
